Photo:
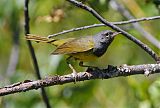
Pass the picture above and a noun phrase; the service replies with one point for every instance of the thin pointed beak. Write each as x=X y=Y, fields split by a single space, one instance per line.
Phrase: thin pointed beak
x=116 y=33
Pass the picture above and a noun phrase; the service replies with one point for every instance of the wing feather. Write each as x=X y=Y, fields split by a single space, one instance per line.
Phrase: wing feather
x=75 y=45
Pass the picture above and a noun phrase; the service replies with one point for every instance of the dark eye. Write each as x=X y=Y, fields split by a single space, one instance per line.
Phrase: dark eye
x=109 y=33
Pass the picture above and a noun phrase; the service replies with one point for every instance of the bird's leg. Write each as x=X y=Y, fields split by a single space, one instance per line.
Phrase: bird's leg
x=74 y=72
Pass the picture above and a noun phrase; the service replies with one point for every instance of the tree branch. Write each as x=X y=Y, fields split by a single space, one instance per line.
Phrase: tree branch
x=110 y=72
x=35 y=63
x=121 y=8
x=100 y=25
x=126 y=34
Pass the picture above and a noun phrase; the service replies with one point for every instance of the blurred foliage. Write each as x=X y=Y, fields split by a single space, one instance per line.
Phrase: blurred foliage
x=48 y=17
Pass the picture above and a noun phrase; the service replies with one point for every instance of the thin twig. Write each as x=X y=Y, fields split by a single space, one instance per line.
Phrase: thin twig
x=26 y=26
x=110 y=72
x=126 y=34
x=100 y=25
x=120 y=8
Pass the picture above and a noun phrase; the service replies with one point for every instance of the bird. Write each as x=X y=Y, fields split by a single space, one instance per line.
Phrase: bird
x=83 y=49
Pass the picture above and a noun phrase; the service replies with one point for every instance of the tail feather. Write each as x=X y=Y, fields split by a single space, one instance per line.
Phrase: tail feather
x=39 y=38
x=55 y=42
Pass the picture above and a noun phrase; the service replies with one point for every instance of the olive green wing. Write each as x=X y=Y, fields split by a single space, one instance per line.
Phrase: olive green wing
x=62 y=41
x=75 y=45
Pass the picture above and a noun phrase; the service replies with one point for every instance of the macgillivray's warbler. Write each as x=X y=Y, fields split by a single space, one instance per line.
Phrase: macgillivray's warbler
x=83 y=48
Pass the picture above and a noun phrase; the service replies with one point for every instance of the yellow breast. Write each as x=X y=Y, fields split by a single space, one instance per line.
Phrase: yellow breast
x=84 y=56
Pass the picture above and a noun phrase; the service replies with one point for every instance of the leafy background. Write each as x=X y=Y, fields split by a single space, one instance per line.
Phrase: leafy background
x=49 y=17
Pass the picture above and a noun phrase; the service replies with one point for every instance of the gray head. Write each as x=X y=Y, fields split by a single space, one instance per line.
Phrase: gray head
x=102 y=40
